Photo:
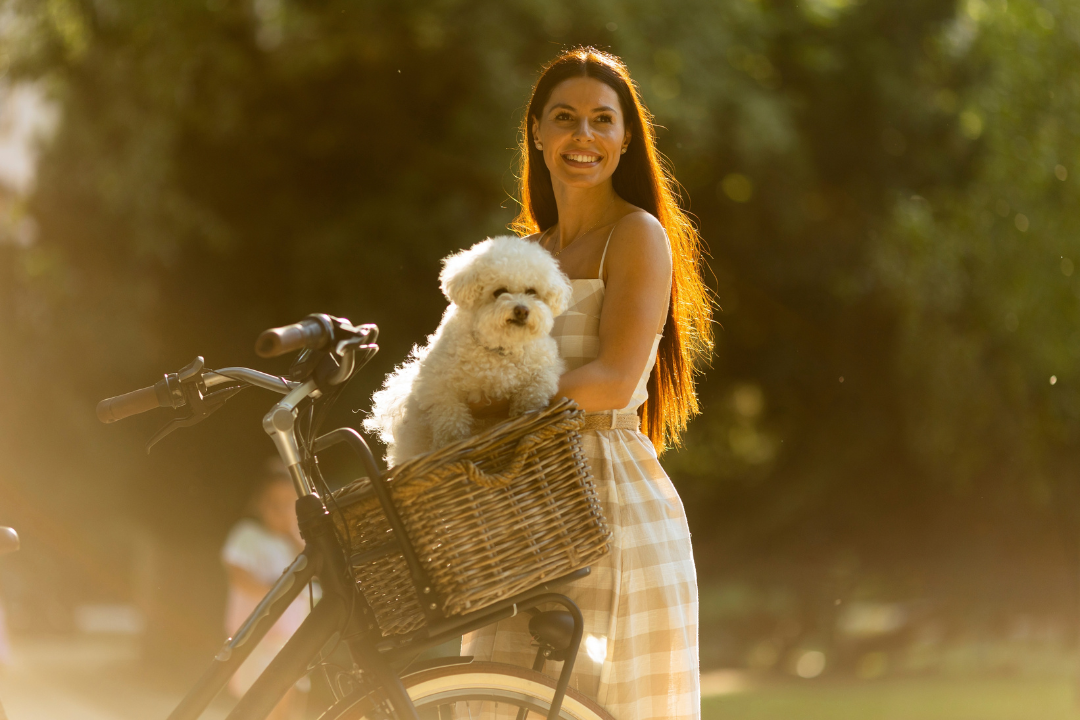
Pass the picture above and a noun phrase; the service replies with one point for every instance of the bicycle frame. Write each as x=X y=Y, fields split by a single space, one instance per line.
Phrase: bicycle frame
x=342 y=611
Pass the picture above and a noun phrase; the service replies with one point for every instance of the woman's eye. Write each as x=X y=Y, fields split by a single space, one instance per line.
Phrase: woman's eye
x=604 y=118
x=500 y=291
x=530 y=291
x=562 y=116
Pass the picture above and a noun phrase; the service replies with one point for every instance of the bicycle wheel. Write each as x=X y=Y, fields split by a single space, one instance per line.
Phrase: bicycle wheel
x=476 y=690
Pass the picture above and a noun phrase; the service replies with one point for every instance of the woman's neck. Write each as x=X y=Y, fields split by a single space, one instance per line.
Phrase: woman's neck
x=582 y=209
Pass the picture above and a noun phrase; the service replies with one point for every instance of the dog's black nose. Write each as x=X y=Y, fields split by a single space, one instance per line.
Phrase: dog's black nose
x=521 y=313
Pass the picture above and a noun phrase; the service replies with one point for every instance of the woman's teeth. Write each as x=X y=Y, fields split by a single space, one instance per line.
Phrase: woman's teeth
x=583 y=158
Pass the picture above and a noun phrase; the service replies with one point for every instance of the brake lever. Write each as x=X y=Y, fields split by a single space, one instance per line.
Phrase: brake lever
x=199 y=408
x=192 y=369
x=333 y=365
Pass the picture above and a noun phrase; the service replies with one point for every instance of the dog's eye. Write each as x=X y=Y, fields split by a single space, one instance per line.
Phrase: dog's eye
x=531 y=291
x=500 y=291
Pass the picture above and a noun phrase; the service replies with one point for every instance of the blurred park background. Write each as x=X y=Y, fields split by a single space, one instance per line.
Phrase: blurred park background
x=884 y=487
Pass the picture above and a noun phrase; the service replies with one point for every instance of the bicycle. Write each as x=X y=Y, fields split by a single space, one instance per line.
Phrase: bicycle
x=384 y=682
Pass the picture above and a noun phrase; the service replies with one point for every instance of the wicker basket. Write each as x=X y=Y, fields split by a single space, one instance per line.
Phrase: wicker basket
x=488 y=517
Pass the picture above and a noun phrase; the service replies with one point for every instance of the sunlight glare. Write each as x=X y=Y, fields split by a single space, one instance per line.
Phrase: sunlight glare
x=596 y=647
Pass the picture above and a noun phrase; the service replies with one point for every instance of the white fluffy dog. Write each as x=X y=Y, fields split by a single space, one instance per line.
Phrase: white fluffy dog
x=493 y=342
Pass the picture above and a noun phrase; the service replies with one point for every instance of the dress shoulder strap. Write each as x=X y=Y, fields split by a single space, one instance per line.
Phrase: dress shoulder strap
x=604 y=256
x=540 y=240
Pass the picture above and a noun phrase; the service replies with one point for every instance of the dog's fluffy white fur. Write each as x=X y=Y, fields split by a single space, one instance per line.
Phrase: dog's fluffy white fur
x=493 y=341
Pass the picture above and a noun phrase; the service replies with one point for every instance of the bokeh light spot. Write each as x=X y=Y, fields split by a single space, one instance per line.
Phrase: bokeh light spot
x=749 y=400
x=737 y=187
x=810 y=664
x=1022 y=222
x=971 y=125
x=1061 y=172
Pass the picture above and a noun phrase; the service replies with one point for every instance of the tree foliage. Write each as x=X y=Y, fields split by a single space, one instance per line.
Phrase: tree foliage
x=886 y=187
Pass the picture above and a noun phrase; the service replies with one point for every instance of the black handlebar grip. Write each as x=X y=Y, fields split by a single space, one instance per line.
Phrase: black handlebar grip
x=310 y=333
x=117 y=408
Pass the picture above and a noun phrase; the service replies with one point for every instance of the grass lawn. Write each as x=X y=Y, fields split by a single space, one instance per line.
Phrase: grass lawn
x=908 y=699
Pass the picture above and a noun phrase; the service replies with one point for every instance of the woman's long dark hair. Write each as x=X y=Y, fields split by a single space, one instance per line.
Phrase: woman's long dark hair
x=644 y=179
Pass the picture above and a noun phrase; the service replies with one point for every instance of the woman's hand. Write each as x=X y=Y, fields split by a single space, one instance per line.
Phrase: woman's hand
x=485 y=409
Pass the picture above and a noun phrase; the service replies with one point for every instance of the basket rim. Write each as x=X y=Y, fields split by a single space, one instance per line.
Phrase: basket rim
x=482 y=441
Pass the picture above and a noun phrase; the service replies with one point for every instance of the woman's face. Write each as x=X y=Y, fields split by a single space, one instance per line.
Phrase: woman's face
x=582 y=132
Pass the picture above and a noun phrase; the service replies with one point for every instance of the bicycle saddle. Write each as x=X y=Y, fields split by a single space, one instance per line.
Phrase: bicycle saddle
x=553 y=629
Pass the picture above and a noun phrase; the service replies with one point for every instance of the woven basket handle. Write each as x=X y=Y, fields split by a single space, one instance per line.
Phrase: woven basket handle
x=521 y=456
x=479 y=477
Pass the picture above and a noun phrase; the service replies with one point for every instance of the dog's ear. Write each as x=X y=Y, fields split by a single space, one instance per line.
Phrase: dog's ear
x=558 y=293
x=460 y=277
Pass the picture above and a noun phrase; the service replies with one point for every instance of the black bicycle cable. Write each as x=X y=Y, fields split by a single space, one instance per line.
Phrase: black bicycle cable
x=315 y=418
x=320 y=482
x=305 y=417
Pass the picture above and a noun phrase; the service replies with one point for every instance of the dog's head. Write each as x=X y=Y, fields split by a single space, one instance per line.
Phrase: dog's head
x=514 y=287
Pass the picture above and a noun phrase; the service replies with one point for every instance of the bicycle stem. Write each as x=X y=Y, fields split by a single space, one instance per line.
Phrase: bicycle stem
x=279 y=424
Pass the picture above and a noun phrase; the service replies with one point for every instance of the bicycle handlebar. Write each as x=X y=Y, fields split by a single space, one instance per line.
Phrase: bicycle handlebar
x=116 y=408
x=312 y=332
x=187 y=386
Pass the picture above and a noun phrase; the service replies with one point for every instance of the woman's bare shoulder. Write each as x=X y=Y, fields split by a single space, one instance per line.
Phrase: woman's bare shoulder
x=639 y=232
x=641 y=221
x=638 y=248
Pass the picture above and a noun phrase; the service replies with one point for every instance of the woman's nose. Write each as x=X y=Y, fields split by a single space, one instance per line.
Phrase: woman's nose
x=583 y=129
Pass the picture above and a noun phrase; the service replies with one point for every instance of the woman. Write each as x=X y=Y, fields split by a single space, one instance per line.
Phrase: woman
x=595 y=193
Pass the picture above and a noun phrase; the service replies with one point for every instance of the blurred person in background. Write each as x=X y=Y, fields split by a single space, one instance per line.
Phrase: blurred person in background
x=9 y=542
x=258 y=549
x=5 y=642
x=594 y=192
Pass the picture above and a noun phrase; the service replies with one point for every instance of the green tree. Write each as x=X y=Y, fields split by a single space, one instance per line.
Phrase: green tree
x=886 y=189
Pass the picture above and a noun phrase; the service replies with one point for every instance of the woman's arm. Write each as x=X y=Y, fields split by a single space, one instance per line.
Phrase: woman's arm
x=636 y=295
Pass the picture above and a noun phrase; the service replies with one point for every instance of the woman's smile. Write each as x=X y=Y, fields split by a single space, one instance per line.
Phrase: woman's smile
x=582 y=160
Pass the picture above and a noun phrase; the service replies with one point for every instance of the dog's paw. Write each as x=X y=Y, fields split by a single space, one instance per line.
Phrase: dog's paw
x=527 y=403
x=450 y=423
x=535 y=395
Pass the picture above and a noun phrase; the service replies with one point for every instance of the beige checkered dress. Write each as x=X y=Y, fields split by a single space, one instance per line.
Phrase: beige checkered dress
x=639 y=654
